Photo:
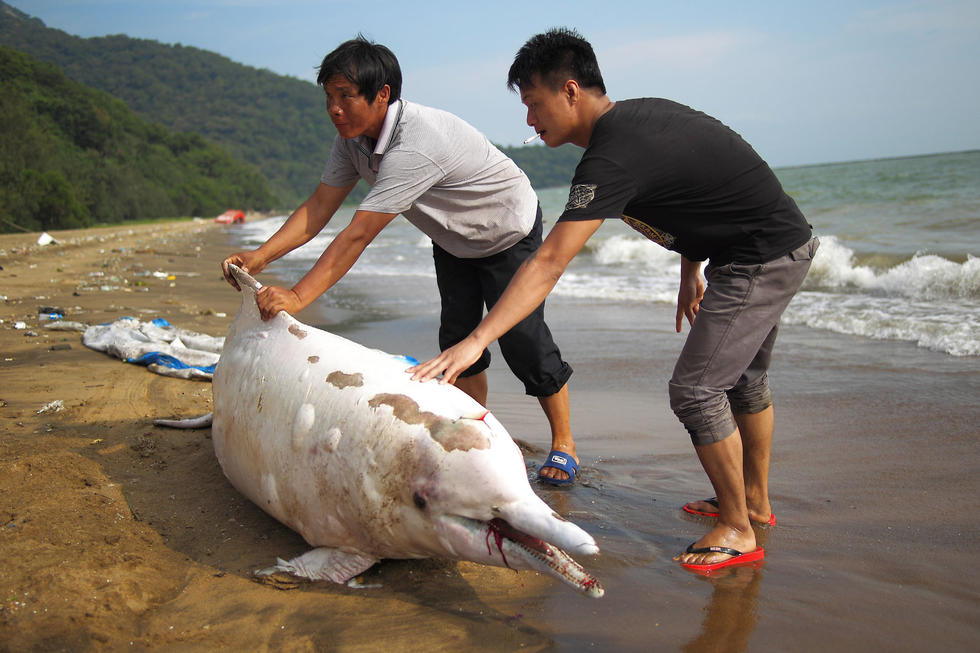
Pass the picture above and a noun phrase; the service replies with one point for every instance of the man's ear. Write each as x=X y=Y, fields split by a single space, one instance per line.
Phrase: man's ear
x=571 y=91
x=383 y=94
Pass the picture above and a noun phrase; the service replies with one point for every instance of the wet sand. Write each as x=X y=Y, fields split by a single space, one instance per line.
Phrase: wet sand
x=118 y=534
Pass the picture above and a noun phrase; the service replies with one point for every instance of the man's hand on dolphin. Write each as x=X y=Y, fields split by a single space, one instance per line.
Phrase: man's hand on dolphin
x=449 y=363
x=272 y=299
x=250 y=262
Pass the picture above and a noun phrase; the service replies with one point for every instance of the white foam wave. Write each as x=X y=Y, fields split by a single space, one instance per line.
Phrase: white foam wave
x=926 y=299
x=954 y=329
x=924 y=276
x=628 y=250
x=619 y=287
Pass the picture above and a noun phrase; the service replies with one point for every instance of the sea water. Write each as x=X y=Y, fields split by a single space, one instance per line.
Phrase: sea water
x=900 y=241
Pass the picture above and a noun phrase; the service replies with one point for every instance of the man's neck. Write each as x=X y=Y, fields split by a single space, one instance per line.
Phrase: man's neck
x=593 y=107
x=375 y=130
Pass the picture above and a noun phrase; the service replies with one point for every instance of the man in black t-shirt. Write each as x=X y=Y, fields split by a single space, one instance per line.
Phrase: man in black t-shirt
x=687 y=182
x=691 y=184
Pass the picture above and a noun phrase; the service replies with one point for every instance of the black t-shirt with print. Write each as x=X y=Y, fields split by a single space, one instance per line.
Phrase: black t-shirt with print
x=687 y=182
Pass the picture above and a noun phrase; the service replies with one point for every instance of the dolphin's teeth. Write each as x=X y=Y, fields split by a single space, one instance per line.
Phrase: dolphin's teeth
x=549 y=557
x=559 y=564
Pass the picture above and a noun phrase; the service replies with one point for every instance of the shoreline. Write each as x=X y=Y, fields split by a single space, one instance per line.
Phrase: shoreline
x=115 y=531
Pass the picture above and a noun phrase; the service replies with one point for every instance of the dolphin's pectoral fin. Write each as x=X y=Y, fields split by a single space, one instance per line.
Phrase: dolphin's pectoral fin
x=324 y=563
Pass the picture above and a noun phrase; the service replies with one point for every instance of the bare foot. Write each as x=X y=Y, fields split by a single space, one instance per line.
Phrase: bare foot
x=720 y=535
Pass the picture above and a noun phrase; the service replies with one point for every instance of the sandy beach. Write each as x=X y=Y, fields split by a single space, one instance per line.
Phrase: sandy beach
x=117 y=534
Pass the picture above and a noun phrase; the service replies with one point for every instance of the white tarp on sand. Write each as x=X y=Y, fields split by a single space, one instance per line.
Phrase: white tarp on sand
x=159 y=345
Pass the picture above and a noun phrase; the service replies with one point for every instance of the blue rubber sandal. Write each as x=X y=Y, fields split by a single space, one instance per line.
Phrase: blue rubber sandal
x=563 y=461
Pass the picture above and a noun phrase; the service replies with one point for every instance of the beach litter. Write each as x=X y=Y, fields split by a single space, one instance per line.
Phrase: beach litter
x=55 y=406
x=50 y=313
x=162 y=347
x=65 y=325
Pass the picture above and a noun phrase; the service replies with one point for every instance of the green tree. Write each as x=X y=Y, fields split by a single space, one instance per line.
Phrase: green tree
x=71 y=156
x=276 y=124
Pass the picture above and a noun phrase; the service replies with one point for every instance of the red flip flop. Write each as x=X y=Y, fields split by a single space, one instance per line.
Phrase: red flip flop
x=714 y=501
x=738 y=558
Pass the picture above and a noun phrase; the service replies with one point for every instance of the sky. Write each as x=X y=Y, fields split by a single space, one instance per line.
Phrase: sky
x=803 y=82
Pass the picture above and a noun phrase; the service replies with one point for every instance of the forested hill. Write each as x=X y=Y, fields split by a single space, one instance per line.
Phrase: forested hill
x=72 y=156
x=546 y=167
x=274 y=122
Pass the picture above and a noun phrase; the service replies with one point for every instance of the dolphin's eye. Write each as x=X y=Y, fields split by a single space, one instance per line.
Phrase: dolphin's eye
x=419 y=501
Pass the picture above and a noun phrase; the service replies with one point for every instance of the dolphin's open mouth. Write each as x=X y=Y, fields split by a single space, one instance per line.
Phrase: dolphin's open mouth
x=521 y=550
x=499 y=529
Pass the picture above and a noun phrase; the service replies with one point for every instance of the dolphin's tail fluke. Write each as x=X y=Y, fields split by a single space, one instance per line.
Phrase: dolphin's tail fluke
x=250 y=287
x=202 y=422
x=244 y=279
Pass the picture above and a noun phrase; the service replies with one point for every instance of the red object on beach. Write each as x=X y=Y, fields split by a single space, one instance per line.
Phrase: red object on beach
x=738 y=558
x=231 y=216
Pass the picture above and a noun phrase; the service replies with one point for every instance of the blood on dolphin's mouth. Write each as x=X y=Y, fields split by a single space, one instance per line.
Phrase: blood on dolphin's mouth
x=548 y=556
x=500 y=529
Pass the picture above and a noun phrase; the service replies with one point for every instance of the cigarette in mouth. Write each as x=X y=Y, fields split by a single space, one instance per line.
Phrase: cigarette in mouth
x=528 y=140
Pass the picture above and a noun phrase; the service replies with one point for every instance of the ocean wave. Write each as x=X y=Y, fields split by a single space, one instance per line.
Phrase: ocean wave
x=925 y=299
x=621 y=287
x=835 y=267
x=621 y=249
x=924 y=276
x=954 y=330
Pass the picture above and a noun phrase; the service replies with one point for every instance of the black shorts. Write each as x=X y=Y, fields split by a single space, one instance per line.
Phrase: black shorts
x=466 y=285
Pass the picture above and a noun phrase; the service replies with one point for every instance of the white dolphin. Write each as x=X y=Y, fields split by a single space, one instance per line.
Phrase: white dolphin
x=334 y=440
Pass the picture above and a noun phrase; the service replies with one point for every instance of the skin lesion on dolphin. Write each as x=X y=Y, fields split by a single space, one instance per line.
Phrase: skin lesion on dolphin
x=342 y=380
x=460 y=434
x=297 y=331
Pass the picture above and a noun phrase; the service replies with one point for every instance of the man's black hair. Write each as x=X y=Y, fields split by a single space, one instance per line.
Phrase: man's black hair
x=557 y=55
x=369 y=65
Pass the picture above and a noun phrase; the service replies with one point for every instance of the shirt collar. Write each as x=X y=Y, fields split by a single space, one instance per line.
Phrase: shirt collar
x=392 y=116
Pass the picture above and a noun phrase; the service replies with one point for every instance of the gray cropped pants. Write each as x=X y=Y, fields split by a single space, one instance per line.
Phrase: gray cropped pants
x=723 y=369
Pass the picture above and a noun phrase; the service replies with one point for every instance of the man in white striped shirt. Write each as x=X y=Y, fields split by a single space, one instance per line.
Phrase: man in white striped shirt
x=448 y=180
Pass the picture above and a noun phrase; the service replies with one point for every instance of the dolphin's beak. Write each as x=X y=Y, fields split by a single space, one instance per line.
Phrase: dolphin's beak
x=543 y=557
x=537 y=519
x=499 y=542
